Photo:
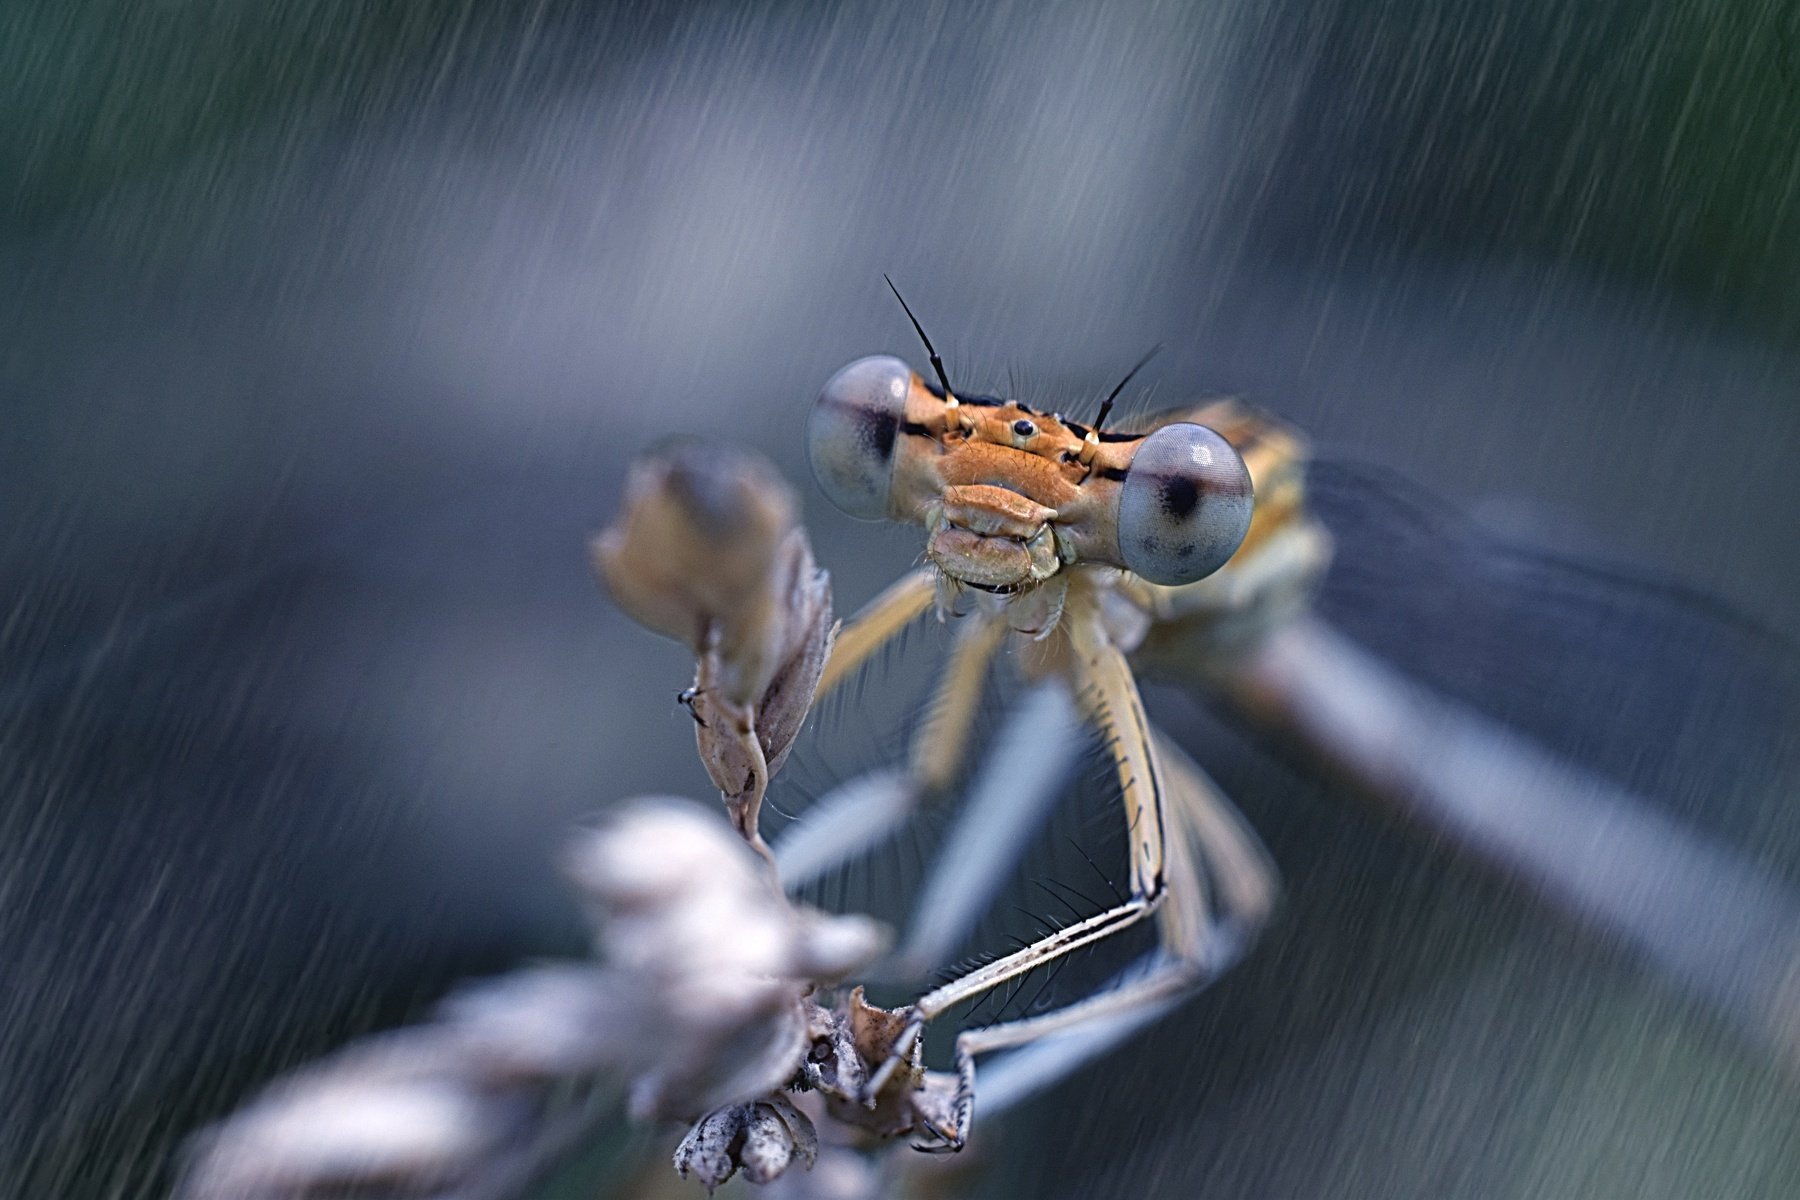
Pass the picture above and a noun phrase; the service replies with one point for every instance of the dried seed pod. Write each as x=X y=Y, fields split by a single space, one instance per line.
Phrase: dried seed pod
x=849 y=1043
x=706 y=549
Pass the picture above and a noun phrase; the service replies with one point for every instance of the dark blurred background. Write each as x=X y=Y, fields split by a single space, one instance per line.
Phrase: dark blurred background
x=326 y=330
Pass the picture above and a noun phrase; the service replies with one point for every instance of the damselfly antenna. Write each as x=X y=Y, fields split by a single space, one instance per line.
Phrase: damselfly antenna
x=937 y=364
x=1106 y=405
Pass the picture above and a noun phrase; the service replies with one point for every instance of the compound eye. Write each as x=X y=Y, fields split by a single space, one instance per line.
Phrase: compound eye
x=1185 y=505
x=850 y=434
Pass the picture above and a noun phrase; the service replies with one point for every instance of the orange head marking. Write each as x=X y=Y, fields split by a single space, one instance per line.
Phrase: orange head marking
x=1010 y=496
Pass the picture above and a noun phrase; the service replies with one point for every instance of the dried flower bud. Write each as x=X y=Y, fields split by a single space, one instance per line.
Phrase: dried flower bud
x=393 y=1114
x=763 y=1137
x=721 y=960
x=693 y=554
x=562 y=1019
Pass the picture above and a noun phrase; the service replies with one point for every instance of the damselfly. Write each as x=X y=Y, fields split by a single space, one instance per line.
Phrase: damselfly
x=1074 y=541
x=1293 y=677
x=1102 y=551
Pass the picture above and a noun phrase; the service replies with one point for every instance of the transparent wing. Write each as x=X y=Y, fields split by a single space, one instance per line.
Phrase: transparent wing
x=1649 y=680
x=1416 y=1018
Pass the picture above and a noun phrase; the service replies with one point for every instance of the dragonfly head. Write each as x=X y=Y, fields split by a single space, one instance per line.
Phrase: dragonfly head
x=1011 y=496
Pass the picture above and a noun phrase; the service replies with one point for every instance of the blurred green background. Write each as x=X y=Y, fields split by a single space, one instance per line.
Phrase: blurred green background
x=1651 y=140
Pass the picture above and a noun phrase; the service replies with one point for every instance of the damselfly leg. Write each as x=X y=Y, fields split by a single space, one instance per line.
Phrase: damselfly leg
x=854 y=818
x=1194 y=865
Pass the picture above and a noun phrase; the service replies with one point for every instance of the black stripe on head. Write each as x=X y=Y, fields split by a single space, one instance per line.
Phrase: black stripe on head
x=978 y=401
